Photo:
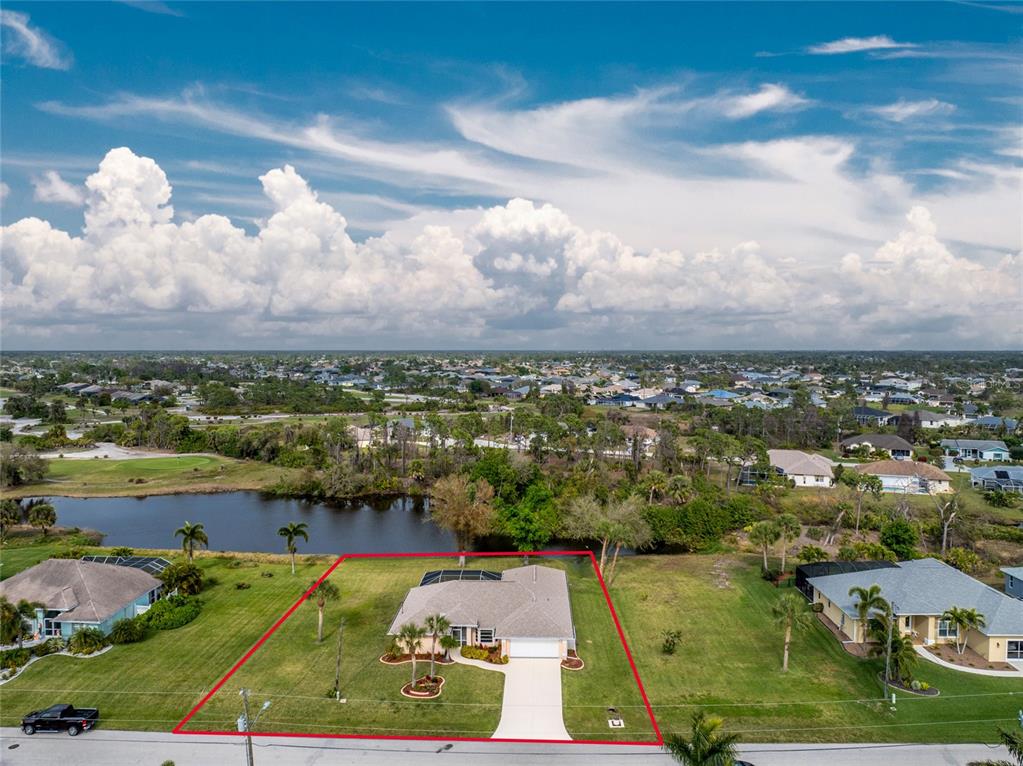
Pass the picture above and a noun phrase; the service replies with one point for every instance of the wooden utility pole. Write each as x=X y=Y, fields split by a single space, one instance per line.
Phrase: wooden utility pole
x=337 y=667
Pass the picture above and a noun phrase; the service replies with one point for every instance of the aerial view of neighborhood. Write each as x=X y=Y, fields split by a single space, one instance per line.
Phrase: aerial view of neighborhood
x=500 y=384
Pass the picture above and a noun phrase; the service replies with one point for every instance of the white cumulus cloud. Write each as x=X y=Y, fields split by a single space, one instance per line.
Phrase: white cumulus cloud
x=50 y=187
x=512 y=273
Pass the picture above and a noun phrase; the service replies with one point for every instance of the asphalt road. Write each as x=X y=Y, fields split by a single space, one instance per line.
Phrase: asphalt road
x=116 y=748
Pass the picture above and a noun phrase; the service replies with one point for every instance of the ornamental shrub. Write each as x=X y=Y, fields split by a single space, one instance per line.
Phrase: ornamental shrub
x=127 y=631
x=86 y=641
x=170 y=613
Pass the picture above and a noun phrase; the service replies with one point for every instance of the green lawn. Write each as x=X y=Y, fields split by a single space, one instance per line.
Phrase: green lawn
x=729 y=664
x=296 y=673
x=150 y=476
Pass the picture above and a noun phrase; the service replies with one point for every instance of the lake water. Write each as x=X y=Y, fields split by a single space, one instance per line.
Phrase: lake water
x=248 y=521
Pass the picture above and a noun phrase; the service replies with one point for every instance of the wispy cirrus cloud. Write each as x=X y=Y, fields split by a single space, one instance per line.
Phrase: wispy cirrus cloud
x=30 y=43
x=770 y=97
x=857 y=45
x=904 y=110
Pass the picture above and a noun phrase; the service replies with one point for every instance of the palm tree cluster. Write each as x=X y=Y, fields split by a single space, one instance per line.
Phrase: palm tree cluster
x=411 y=637
x=765 y=534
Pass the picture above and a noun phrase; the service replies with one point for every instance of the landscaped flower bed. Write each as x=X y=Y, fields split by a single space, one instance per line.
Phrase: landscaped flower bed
x=426 y=687
x=400 y=659
x=572 y=661
x=490 y=654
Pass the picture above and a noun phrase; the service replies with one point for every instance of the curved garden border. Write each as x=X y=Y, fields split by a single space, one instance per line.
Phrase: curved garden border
x=571 y=665
x=383 y=659
x=931 y=691
x=406 y=691
x=63 y=652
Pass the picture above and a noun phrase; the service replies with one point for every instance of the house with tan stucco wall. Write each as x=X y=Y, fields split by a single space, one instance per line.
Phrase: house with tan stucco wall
x=524 y=610
x=920 y=592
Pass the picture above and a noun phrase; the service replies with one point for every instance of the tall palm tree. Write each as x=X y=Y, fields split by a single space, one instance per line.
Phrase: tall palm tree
x=788 y=530
x=964 y=621
x=869 y=603
x=436 y=625
x=790 y=611
x=447 y=643
x=291 y=533
x=764 y=534
x=192 y=535
x=902 y=657
x=321 y=594
x=10 y=621
x=706 y=746
x=411 y=638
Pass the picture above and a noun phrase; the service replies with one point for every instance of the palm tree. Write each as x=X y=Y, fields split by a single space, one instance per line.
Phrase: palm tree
x=192 y=535
x=42 y=515
x=869 y=603
x=322 y=593
x=436 y=625
x=291 y=533
x=790 y=612
x=902 y=655
x=706 y=746
x=447 y=643
x=788 y=529
x=680 y=489
x=411 y=638
x=765 y=534
x=10 y=621
x=656 y=483
x=964 y=621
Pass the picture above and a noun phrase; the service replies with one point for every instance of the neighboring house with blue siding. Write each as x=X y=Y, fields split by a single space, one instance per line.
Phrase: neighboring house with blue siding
x=1013 y=581
x=81 y=594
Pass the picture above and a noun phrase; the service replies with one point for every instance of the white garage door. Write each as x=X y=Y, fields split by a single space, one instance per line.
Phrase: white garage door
x=534 y=647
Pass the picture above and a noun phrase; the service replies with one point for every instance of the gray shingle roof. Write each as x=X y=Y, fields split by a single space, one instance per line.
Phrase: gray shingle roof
x=928 y=587
x=83 y=590
x=527 y=602
x=796 y=463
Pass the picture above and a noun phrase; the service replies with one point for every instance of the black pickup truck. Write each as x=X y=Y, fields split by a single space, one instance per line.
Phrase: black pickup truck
x=61 y=718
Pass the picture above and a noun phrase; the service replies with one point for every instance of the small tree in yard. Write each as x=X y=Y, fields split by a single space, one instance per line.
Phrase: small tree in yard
x=182 y=577
x=436 y=625
x=788 y=530
x=411 y=638
x=447 y=643
x=10 y=515
x=964 y=621
x=192 y=536
x=321 y=594
x=764 y=534
x=42 y=516
x=291 y=533
x=464 y=508
x=790 y=612
x=705 y=746
x=861 y=485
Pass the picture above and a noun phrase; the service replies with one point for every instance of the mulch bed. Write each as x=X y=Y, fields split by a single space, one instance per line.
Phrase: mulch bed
x=572 y=661
x=929 y=692
x=406 y=658
x=968 y=659
x=433 y=687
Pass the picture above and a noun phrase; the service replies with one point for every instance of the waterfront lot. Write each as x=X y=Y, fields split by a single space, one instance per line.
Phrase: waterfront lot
x=296 y=673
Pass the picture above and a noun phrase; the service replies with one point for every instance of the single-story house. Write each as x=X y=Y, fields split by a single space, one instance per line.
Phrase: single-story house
x=920 y=592
x=868 y=416
x=930 y=419
x=896 y=446
x=976 y=449
x=907 y=476
x=1008 y=478
x=994 y=422
x=81 y=594
x=805 y=469
x=1013 y=581
x=524 y=610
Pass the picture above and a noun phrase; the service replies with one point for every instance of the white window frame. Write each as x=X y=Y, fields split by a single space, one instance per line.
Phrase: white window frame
x=947 y=630
x=1018 y=651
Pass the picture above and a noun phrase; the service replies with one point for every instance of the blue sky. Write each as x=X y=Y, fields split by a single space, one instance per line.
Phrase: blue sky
x=512 y=175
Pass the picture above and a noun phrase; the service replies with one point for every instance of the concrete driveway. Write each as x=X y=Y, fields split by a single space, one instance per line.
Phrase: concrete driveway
x=531 y=707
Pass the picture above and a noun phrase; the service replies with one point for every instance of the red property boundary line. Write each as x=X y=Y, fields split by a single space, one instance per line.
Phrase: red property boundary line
x=446 y=554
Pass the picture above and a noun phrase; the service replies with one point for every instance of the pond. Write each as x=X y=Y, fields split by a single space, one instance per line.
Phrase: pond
x=248 y=521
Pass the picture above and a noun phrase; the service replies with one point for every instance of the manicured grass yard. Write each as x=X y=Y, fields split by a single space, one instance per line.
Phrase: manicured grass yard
x=729 y=663
x=152 y=684
x=159 y=475
x=296 y=673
